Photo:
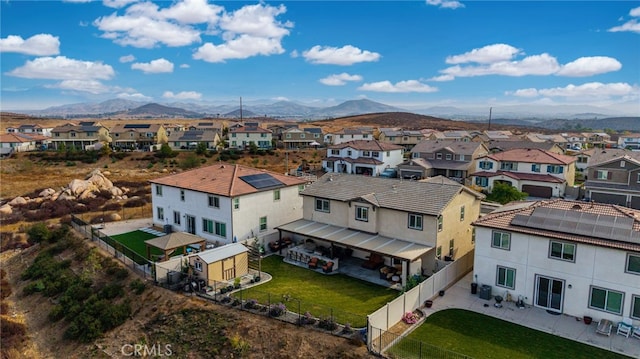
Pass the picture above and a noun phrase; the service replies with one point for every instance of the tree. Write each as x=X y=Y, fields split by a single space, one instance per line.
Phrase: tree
x=504 y=193
x=201 y=148
x=165 y=151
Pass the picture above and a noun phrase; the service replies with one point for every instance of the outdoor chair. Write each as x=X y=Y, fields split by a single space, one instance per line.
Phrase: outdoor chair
x=313 y=263
x=604 y=327
x=636 y=332
x=375 y=261
x=328 y=268
x=625 y=327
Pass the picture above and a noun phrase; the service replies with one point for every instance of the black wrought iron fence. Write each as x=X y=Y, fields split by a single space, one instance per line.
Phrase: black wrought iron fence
x=397 y=346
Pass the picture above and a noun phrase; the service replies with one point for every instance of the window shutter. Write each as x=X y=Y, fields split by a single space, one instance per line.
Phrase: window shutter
x=490 y=165
x=561 y=169
x=608 y=175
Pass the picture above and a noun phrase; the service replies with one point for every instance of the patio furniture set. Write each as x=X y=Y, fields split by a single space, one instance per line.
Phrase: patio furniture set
x=624 y=328
x=314 y=260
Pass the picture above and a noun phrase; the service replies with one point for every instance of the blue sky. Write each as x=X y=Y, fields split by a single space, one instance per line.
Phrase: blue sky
x=413 y=54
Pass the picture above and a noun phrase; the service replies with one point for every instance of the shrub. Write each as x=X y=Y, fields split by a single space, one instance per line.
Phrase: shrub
x=111 y=291
x=118 y=272
x=347 y=329
x=328 y=324
x=112 y=207
x=136 y=202
x=277 y=310
x=307 y=319
x=33 y=287
x=251 y=304
x=38 y=233
x=137 y=286
x=56 y=313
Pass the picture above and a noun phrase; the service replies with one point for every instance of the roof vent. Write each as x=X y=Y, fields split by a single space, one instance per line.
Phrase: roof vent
x=222 y=166
x=576 y=207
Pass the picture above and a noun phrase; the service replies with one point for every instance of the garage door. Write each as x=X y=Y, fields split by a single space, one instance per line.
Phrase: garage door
x=635 y=202
x=537 y=191
x=609 y=198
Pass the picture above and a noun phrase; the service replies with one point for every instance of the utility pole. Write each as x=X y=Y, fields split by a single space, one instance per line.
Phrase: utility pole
x=489 y=129
x=240 y=109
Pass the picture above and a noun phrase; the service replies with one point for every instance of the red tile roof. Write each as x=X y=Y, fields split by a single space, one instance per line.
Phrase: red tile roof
x=222 y=179
x=502 y=218
x=521 y=176
x=532 y=155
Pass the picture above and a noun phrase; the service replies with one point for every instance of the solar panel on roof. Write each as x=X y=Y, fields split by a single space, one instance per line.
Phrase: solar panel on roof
x=261 y=181
x=137 y=125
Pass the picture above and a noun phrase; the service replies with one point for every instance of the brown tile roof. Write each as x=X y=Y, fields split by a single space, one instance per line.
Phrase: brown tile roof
x=363 y=160
x=532 y=155
x=502 y=219
x=459 y=147
x=13 y=138
x=367 y=145
x=222 y=179
x=249 y=129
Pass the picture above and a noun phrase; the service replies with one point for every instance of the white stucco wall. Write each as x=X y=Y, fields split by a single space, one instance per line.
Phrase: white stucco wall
x=529 y=256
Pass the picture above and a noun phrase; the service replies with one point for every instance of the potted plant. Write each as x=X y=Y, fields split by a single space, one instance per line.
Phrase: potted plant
x=236 y=283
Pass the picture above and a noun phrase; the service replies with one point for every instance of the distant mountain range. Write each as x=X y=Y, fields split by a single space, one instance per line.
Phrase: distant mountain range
x=570 y=118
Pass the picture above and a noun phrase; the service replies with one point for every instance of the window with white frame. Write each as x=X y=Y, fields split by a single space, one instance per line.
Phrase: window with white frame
x=197 y=265
x=335 y=152
x=220 y=229
x=509 y=166
x=349 y=152
x=362 y=213
x=461 y=213
x=263 y=224
x=160 y=211
x=438 y=156
x=562 y=250
x=501 y=240
x=276 y=194
x=535 y=167
x=415 y=221
x=482 y=181
x=633 y=263
x=322 y=205
x=451 y=247
x=207 y=225
x=602 y=175
x=375 y=154
x=182 y=195
x=366 y=153
x=473 y=235
x=300 y=188
x=440 y=225
x=638 y=180
x=158 y=190
x=486 y=165
x=176 y=217
x=439 y=252
x=214 y=201
x=555 y=169
x=236 y=203
x=635 y=307
x=448 y=157
x=506 y=277
x=606 y=300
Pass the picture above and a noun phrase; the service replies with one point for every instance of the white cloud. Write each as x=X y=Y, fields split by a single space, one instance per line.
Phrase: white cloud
x=486 y=55
x=340 y=79
x=127 y=58
x=38 y=45
x=447 y=4
x=154 y=67
x=588 y=66
x=585 y=91
x=63 y=68
x=632 y=25
x=192 y=12
x=543 y=64
x=346 y=55
x=144 y=26
x=184 y=66
x=90 y=86
x=398 y=87
x=117 y=4
x=249 y=31
x=136 y=96
x=184 y=95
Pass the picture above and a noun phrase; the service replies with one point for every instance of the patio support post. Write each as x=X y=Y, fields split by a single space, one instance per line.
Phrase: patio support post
x=404 y=274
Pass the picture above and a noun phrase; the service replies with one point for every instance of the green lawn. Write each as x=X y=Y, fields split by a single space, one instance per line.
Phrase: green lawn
x=481 y=336
x=348 y=299
x=135 y=241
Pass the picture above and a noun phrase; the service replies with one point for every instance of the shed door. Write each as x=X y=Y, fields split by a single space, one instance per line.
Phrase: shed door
x=537 y=191
x=228 y=268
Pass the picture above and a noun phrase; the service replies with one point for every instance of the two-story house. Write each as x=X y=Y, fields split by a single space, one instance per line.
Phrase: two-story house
x=598 y=139
x=79 y=136
x=453 y=135
x=302 y=138
x=575 y=141
x=614 y=180
x=362 y=157
x=227 y=203
x=537 y=172
x=31 y=129
x=137 y=135
x=415 y=224
x=569 y=257
x=501 y=146
x=406 y=138
x=241 y=137
x=452 y=159
x=349 y=134
x=191 y=139
x=629 y=141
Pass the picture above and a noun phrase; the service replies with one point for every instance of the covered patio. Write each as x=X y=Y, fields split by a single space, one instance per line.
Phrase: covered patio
x=169 y=243
x=345 y=238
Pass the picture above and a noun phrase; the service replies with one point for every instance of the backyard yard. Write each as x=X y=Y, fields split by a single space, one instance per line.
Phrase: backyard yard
x=135 y=242
x=480 y=336
x=346 y=299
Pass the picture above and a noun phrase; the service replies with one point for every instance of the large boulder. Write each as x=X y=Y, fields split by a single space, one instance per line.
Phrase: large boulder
x=116 y=192
x=6 y=209
x=114 y=217
x=99 y=180
x=78 y=186
x=18 y=201
x=48 y=192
